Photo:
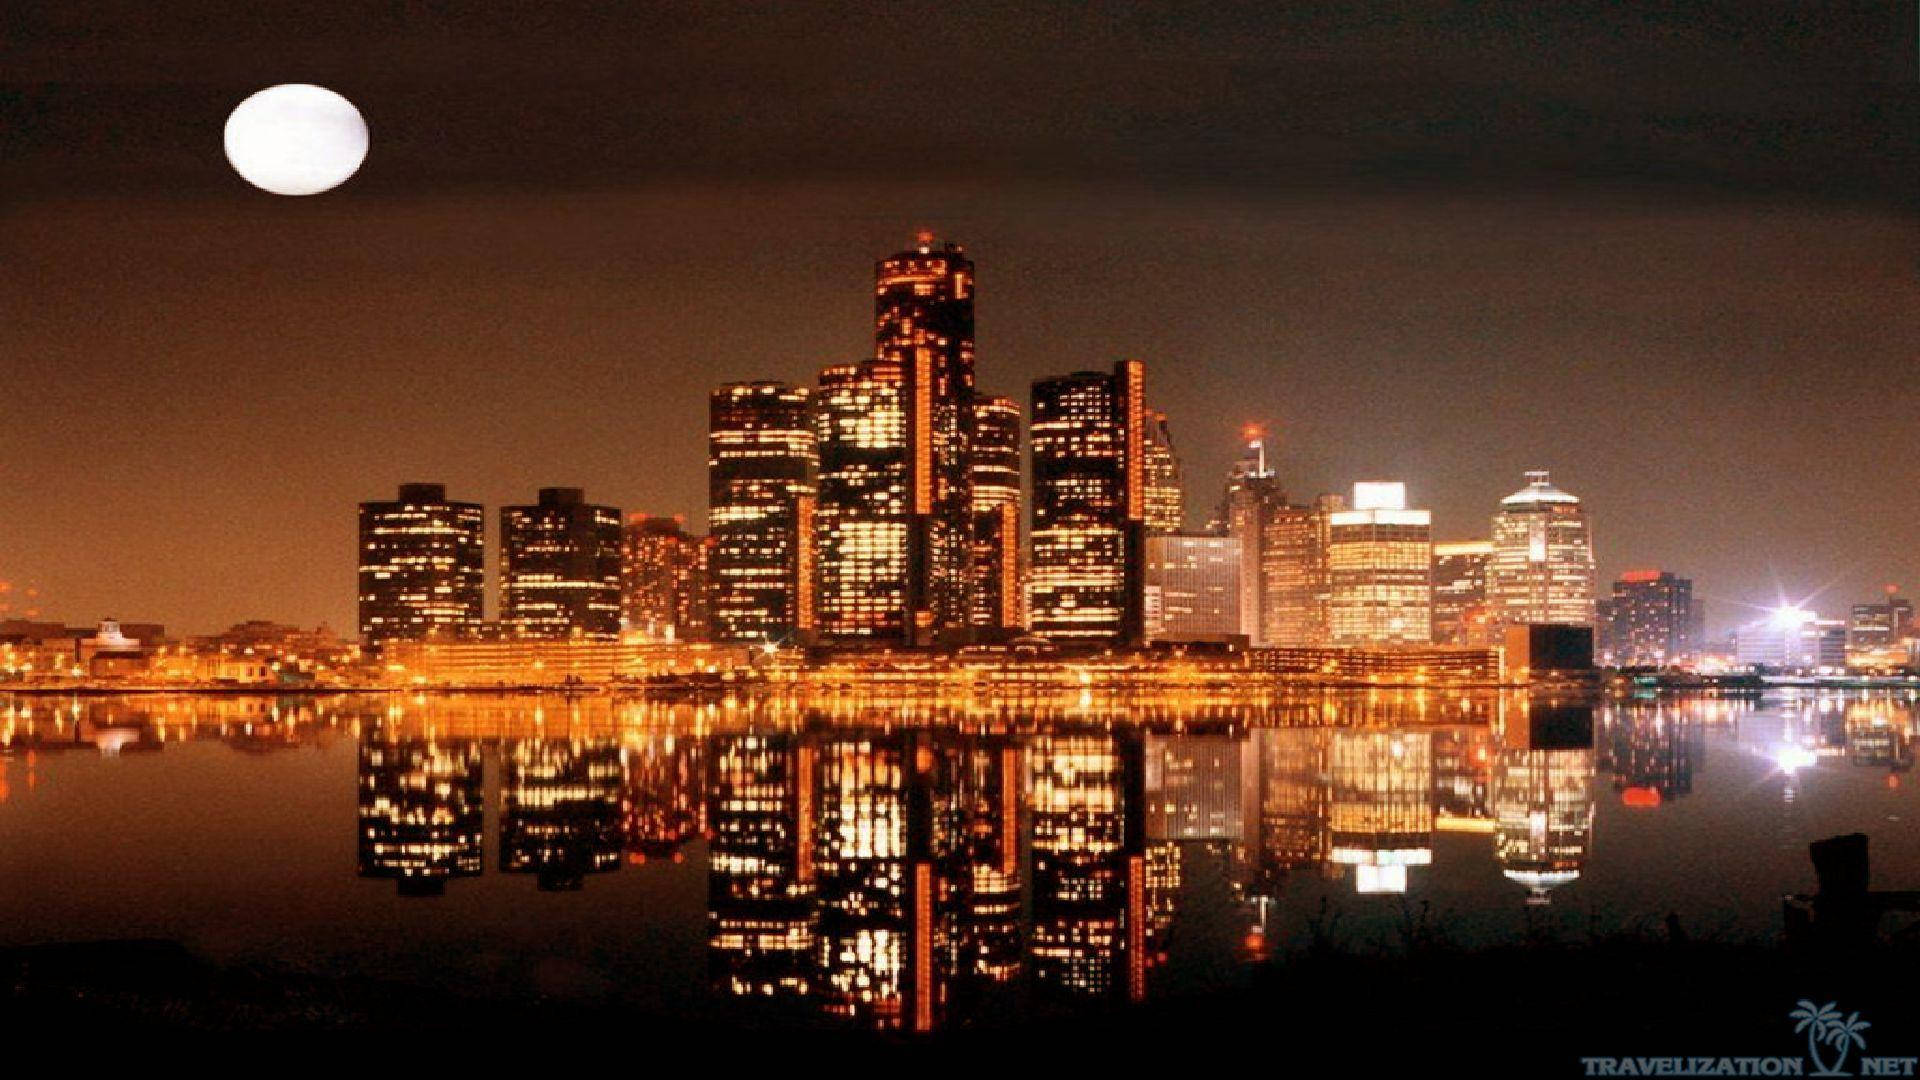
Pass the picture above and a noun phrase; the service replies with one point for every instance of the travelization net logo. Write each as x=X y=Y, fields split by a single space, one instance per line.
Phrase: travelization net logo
x=1831 y=1037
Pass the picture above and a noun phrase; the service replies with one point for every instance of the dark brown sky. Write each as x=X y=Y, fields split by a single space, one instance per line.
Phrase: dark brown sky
x=1667 y=253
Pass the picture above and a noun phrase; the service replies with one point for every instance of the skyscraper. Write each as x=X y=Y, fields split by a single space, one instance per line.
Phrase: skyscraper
x=1193 y=588
x=760 y=496
x=1649 y=620
x=1460 y=592
x=422 y=566
x=1089 y=506
x=999 y=593
x=1166 y=502
x=1252 y=498
x=861 y=515
x=663 y=579
x=1542 y=566
x=1380 y=566
x=923 y=322
x=560 y=568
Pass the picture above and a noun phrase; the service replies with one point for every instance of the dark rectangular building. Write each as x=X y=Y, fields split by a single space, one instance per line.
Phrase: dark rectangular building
x=560 y=568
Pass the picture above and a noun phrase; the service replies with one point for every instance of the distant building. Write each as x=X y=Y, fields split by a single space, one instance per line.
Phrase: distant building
x=663 y=580
x=1089 y=506
x=1542 y=568
x=999 y=588
x=1252 y=499
x=423 y=567
x=1649 y=620
x=560 y=568
x=1460 y=615
x=760 y=500
x=1166 y=503
x=1193 y=588
x=1792 y=639
x=1880 y=628
x=1380 y=566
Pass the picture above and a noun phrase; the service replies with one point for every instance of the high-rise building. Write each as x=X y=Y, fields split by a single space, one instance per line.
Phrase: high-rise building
x=663 y=579
x=1460 y=615
x=1380 y=567
x=1542 y=567
x=560 y=568
x=423 y=567
x=760 y=498
x=861 y=516
x=1166 y=502
x=999 y=593
x=1252 y=502
x=923 y=322
x=1293 y=573
x=1193 y=588
x=1649 y=620
x=1089 y=506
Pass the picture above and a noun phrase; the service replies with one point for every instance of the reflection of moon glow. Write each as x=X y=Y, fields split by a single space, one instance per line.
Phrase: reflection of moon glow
x=296 y=139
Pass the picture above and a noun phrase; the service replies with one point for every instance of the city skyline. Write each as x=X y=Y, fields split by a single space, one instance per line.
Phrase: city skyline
x=1658 y=316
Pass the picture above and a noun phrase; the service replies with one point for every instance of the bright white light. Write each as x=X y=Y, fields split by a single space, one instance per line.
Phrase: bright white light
x=1379 y=495
x=1790 y=617
x=296 y=139
x=1792 y=758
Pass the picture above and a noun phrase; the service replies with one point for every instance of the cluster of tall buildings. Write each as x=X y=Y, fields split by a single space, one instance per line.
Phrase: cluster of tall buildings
x=568 y=570
x=884 y=506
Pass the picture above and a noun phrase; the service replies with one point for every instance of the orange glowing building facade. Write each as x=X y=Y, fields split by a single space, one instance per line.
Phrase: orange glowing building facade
x=422 y=567
x=862 y=517
x=760 y=499
x=1089 y=506
x=998 y=591
x=923 y=322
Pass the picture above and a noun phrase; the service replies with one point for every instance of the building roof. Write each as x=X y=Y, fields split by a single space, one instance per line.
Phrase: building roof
x=1539 y=489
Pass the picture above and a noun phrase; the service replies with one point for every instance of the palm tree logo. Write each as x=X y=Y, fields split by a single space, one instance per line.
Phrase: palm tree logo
x=1823 y=1024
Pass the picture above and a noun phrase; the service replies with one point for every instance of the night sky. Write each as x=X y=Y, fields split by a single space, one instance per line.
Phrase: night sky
x=1669 y=254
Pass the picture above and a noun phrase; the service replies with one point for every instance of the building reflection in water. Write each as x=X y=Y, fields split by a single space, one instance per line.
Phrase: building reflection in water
x=915 y=875
x=663 y=803
x=422 y=811
x=560 y=809
x=1543 y=799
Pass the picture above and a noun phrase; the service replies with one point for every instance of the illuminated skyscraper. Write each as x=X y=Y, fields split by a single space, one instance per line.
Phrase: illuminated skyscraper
x=560 y=813
x=1649 y=620
x=1089 y=506
x=861 y=518
x=999 y=592
x=1380 y=566
x=1193 y=588
x=1460 y=615
x=420 y=811
x=760 y=497
x=663 y=580
x=923 y=322
x=560 y=568
x=1166 y=503
x=423 y=566
x=1293 y=574
x=1542 y=567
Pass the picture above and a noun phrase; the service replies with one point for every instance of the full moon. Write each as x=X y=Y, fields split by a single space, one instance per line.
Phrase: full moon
x=296 y=139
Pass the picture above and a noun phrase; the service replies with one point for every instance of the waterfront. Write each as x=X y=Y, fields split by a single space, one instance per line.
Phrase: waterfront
x=910 y=866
